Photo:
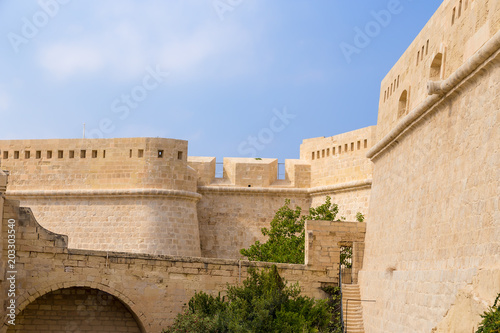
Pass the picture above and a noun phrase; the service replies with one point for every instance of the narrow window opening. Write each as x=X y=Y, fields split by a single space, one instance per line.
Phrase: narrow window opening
x=130 y=153
x=359 y=145
x=466 y=3
x=5 y=155
x=71 y=154
x=391 y=88
x=49 y=154
x=312 y=156
x=418 y=56
x=340 y=149
x=160 y=153
x=27 y=154
x=179 y=155
x=83 y=153
x=333 y=151
x=60 y=154
x=352 y=146
x=346 y=149
x=140 y=153
x=453 y=17
x=459 y=9
x=398 y=81
x=427 y=48
x=435 y=72
x=16 y=155
x=422 y=56
x=327 y=152
x=366 y=143
x=394 y=84
x=103 y=154
x=38 y=154
x=403 y=101
x=323 y=153
x=385 y=94
x=317 y=154
x=94 y=153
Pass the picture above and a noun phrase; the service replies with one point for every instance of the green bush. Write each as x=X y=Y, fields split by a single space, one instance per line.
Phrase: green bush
x=264 y=303
x=491 y=319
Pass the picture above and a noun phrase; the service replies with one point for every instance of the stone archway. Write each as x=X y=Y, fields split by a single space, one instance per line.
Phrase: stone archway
x=77 y=309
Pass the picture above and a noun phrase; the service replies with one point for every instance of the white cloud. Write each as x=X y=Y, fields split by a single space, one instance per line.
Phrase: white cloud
x=122 y=46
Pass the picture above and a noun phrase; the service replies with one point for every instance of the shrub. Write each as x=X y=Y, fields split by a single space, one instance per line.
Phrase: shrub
x=491 y=319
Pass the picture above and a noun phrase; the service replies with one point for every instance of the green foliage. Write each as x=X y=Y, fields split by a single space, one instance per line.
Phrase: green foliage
x=263 y=304
x=360 y=217
x=333 y=303
x=346 y=256
x=491 y=319
x=286 y=237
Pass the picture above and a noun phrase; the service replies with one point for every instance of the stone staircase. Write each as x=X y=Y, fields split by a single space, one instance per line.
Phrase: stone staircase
x=353 y=314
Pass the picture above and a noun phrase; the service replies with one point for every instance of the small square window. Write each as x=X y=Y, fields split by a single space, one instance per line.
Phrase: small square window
x=49 y=154
x=60 y=154
x=83 y=153
x=27 y=154
x=160 y=153
x=71 y=154
x=179 y=155
x=140 y=153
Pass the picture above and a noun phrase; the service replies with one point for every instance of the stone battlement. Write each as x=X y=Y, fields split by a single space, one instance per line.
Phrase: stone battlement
x=453 y=34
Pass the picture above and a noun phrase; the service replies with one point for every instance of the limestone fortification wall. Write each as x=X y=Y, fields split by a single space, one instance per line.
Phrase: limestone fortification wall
x=150 y=290
x=455 y=32
x=136 y=195
x=432 y=243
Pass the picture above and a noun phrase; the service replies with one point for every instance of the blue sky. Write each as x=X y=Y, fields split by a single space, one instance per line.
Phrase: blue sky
x=237 y=78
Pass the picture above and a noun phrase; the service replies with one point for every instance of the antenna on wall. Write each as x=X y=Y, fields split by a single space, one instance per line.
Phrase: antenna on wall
x=84 y=130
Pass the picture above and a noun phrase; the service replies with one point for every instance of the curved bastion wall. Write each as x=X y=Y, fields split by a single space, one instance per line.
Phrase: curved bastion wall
x=135 y=195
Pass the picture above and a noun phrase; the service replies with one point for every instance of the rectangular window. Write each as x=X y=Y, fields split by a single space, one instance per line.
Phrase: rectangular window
x=60 y=154
x=27 y=154
x=366 y=143
x=394 y=84
x=38 y=154
x=323 y=153
x=312 y=155
x=71 y=154
x=179 y=155
x=327 y=151
x=103 y=154
x=49 y=154
x=398 y=81
x=385 y=94
x=16 y=154
x=346 y=148
x=130 y=153
x=427 y=48
x=352 y=146
x=459 y=8
x=359 y=145
x=94 y=153
x=340 y=149
x=140 y=153
x=418 y=56
x=453 y=17
x=333 y=151
x=83 y=153
x=5 y=155
x=422 y=56
x=160 y=153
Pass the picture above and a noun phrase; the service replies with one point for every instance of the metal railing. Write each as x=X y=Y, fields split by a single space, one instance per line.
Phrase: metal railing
x=341 y=306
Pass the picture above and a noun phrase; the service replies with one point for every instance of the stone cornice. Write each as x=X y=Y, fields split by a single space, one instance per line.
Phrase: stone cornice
x=348 y=186
x=147 y=192
x=485 y=57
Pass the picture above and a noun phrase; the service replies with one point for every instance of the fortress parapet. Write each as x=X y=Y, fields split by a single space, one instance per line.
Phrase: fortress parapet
x=454 y=33
x=251 y=172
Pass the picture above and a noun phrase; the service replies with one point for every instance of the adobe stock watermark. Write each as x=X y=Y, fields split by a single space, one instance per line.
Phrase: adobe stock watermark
x=372 y=29
x=221 y=7
x=31 y=26
x=123 y=105
x=11 y=272
x=277 y=123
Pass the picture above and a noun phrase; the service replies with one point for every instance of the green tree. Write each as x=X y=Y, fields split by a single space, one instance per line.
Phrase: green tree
x=263 y=304
x=286 y=236
x=491 y=319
